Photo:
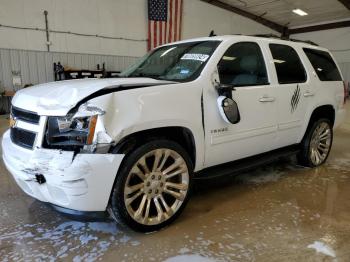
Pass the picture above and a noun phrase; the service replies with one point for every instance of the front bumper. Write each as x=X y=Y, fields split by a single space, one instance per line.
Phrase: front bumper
x=82 y=182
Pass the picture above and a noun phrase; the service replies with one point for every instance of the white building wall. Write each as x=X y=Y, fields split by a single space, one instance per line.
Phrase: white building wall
x=119 y=18
x=200 y=18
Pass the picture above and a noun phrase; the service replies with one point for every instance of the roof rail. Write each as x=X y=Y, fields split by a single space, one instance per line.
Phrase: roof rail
x=268 y=36
x=303 y=41
x=287 y=39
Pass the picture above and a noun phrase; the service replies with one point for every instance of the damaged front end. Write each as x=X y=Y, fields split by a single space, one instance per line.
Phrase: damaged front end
x=69 y=164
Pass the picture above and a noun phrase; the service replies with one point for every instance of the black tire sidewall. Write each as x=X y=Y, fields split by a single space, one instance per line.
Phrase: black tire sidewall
x=117 y=196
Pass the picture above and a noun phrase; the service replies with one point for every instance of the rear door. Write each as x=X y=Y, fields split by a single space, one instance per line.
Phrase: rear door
x=294 y=93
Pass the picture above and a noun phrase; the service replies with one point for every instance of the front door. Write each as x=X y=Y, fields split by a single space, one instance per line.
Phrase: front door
x=243 y=66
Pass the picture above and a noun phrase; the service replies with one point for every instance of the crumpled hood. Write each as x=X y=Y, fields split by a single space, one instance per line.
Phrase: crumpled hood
x=57 y=98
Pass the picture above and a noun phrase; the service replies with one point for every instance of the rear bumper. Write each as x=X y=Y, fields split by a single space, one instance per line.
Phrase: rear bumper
x=82 y=182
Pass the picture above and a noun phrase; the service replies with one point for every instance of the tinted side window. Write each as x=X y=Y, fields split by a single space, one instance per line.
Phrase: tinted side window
x=288 y=65
x=243 y=65
x=323 y=64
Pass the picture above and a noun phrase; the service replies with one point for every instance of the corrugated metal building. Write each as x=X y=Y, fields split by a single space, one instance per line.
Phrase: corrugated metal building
x=36 y=67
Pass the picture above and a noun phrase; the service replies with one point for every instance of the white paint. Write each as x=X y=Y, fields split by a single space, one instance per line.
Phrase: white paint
x=56 y=98
x=122 y=18
x=221 y=109
x=321 y=247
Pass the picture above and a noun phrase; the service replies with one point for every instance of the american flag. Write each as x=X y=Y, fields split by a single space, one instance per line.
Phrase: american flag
x=164 y=22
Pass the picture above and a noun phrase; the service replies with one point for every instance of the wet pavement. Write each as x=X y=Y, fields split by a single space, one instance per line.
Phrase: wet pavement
x=279 y=212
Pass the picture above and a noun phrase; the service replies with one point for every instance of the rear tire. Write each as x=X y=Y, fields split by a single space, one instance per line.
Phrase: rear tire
x=152 y=186
x=316 y=144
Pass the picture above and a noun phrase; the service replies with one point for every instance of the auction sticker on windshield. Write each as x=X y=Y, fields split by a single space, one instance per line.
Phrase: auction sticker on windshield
x=198 y=57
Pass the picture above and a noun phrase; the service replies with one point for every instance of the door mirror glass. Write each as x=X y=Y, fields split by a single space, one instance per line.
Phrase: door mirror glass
x=228 y=110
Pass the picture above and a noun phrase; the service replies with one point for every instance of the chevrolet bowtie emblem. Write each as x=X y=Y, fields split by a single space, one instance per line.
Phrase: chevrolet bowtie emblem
x=12 y=122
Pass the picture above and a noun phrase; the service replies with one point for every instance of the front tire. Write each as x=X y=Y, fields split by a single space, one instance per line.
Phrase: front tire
x=152 y=186
x=316 y=144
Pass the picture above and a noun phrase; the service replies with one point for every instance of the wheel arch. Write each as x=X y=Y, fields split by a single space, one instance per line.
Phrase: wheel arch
x=179 y=134
x=322 y=111
x=326 y=111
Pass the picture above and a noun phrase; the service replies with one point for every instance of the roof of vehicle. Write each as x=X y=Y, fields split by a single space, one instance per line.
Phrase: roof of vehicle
x=267 y=38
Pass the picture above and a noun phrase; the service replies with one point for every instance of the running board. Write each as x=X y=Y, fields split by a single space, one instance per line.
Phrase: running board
x=245 y=164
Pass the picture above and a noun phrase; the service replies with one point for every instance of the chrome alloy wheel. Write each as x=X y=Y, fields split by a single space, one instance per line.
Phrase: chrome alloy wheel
x=156 y=186
x=320 y=143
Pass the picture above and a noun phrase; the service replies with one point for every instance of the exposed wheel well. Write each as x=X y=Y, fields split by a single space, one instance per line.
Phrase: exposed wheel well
x=181 y=135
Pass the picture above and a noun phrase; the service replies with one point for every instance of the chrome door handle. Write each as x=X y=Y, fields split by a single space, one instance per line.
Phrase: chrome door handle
x=265 y=99
x=307 y=94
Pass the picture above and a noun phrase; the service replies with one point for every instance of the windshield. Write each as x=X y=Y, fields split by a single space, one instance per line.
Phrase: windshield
x=180 y=62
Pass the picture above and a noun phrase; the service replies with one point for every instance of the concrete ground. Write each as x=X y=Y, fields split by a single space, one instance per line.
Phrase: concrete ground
x=279 y=212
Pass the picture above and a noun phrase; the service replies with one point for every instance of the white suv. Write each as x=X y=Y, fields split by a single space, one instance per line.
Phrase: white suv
x=132 y=145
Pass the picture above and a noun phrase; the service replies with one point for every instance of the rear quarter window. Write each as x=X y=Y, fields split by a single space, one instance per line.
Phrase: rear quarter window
x=323 y=64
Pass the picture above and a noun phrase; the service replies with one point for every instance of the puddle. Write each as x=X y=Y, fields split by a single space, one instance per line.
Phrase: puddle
x=80 y=241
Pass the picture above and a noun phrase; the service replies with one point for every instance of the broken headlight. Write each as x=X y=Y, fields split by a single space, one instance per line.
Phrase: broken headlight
x=71 y=130
x=75 y=130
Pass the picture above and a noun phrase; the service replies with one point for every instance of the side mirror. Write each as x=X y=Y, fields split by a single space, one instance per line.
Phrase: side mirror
x=228 y=110
x=225 y=89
